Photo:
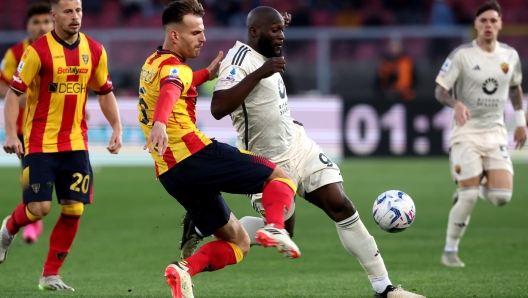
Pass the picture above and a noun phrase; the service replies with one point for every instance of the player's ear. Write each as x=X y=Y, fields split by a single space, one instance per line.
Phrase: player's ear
x=174 y=36
x=254 y=31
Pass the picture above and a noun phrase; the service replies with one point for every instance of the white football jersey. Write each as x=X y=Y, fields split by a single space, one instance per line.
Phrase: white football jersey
x=263 y=121
x=481 y=81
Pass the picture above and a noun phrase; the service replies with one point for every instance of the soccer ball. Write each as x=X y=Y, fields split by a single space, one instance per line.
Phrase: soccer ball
x=394 y=211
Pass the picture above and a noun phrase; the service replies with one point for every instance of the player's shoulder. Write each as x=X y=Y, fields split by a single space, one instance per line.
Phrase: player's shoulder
x=94 y=45
x=20 y=47
x=462 y=49
x=239 y=55
x=507 y=48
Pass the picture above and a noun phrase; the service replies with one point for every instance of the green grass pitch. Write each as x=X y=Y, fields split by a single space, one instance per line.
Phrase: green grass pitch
x=131 y=233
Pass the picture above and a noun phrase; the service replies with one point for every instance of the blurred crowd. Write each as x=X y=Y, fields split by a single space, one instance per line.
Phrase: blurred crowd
x=229 y=13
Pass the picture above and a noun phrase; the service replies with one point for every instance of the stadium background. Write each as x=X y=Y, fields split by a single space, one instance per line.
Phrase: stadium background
x=333 y=51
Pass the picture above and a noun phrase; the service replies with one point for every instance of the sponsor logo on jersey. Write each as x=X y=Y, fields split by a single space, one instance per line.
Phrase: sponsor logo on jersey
x=446 y=65
x=174 y=72
x=20 y=67
x=505 y=67
x=232 y=74
x=17 y=79
x=490 y=86
x=71 y=70
x=67 y=88
x=282 y=88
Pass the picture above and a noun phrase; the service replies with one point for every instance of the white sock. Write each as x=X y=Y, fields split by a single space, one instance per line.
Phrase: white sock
x=459 y=217
x=496 y=196
x=358 y=242
x=252 y=224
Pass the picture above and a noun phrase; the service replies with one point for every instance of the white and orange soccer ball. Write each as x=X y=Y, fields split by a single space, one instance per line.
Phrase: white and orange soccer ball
x=394 y=211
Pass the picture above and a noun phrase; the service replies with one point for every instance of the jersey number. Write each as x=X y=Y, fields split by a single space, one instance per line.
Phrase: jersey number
x=84 y=181
x=143 y=110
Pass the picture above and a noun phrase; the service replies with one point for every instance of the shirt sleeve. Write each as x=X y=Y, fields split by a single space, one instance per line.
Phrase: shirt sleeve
x=229 y=75
x=100 y=82
x=8 y=67
x=180 y=75
x=517 y=72
x=27 y=69
x=450 y=71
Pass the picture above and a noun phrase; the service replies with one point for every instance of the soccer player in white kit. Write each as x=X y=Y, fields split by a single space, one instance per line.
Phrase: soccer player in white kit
x=250 y=89
x=481 y=74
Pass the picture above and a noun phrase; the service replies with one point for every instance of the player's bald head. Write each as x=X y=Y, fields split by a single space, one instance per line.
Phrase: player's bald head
x=262 y=16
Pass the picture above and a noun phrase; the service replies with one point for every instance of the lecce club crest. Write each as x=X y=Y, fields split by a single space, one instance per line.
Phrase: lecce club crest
x=85 y=58
x=505 y=67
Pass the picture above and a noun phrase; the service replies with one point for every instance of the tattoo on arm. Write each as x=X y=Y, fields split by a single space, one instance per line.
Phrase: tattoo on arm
x=443 y=96
x=516 y=97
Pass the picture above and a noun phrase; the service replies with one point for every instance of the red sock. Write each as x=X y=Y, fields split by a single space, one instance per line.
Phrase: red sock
x=277 y=199
x=217 y=253
x=61 y=240
x=18 y=219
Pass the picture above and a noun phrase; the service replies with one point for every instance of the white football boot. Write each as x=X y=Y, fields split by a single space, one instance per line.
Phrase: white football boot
x=6 y=240
x=53 y=283
x=270 y=236
x=450 y=259
x=179 y=281
x=397 y=292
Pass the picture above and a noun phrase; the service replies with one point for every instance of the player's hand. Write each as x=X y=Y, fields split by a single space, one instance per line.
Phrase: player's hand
x=519 y=136
x=461 y=114
x=13 y=145
x=116 y=141
x=287 y=18
x=273 y=65
x=215 y=65
x=157 y=138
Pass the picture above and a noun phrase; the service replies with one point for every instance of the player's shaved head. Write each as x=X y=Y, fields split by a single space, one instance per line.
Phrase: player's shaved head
x=266 y=31
x=262 y=16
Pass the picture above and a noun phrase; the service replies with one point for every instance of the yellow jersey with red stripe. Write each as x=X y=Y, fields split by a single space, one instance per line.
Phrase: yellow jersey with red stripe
x=8 y=67
x=56 y=76
x=185 y=139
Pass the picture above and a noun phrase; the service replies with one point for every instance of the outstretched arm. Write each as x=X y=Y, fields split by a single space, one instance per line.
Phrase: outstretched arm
x=519 y=135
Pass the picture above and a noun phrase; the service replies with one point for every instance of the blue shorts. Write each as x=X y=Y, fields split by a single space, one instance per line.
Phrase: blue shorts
x=197 y=181
x=70 y=172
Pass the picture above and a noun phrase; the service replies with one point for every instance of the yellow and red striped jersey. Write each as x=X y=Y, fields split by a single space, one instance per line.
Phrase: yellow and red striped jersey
x=8 y=67
x=165 y=67
x=56 y=76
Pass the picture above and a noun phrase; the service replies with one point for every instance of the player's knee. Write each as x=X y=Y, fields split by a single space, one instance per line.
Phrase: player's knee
x=243 y=244
x=499 y=197
x=73 y=210
x=467 y=195
x=39 y=209
x=279 y=173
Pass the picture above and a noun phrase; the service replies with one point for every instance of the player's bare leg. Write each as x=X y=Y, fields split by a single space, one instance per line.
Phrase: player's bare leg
x=459 y=217
x=498 y=187
x=332 y=199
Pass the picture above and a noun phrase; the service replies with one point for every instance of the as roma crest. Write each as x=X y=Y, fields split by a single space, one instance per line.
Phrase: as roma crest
x=505 y=67
x=86 y=58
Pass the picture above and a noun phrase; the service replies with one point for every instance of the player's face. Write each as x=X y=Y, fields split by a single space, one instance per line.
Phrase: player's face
x=488 y=25
x=67 y=15
x=191 y=36
x=39 y=25
x=271 y=38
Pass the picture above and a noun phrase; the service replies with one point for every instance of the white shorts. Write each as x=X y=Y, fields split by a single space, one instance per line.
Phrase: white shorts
x=308 y=165
x=468 y=160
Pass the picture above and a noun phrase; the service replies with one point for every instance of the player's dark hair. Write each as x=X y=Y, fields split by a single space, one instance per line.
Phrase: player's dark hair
x=37 y=9
x=176 y=10
x=490 y=5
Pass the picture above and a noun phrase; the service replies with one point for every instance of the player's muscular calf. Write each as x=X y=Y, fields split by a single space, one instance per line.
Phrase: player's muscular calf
x=332 y=199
